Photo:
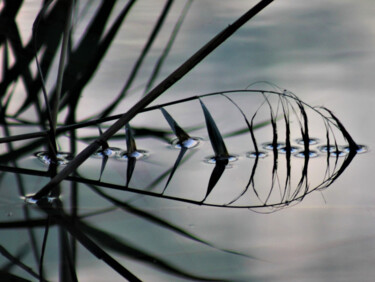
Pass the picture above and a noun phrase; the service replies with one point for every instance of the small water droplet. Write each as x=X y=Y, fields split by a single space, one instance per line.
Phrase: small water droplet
x=312 y=141
x=139 y=154
x=259 y=154
x=360 y=149
x=10 y=214
x=63 y=158
x=270 y=146
x=214 y=159
x=292 y=149
x=189 y=143
x=108 y=152
x=311 y=154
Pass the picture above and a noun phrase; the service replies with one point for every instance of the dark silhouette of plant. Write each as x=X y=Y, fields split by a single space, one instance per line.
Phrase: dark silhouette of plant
x=58 y=206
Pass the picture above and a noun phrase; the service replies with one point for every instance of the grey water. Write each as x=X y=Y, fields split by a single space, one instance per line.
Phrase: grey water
x=324 y=52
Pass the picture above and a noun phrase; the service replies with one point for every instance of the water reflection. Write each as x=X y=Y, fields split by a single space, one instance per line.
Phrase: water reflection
x=282 y=123
x=231 y=125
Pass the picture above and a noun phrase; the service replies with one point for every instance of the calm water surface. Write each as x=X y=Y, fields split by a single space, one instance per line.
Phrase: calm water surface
x=323 y=51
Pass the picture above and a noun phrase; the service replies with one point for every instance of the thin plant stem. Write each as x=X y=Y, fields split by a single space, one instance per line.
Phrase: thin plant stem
x=60 y=74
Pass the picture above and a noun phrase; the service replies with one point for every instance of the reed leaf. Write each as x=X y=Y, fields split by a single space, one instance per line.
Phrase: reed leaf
x=182 y=137
x=60 y=74
x=214 y=134
x=177 y=130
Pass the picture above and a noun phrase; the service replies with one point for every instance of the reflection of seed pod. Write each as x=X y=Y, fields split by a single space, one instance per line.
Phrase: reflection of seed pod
x=285 y=121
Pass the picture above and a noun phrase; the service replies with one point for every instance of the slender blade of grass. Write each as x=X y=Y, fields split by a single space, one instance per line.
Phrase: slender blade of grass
x=214 y=134
x=40 y=73
x=352 y=144
x=131 y=146
x=177 y=130
x=60 y=73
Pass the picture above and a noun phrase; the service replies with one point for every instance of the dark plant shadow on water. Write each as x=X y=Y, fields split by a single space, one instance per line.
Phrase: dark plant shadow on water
x=273 y=173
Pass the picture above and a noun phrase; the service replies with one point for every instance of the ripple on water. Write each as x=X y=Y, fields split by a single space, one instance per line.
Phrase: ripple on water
x=360 y=149
x=189 y=143
x=270 y=146
x=259 y=154
x=108 y=152
x=334 y=151
x=138 y=154
x=310 y=153
x=30 y=200
x=214 y=159
x=292 y=149
x=312 y=141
